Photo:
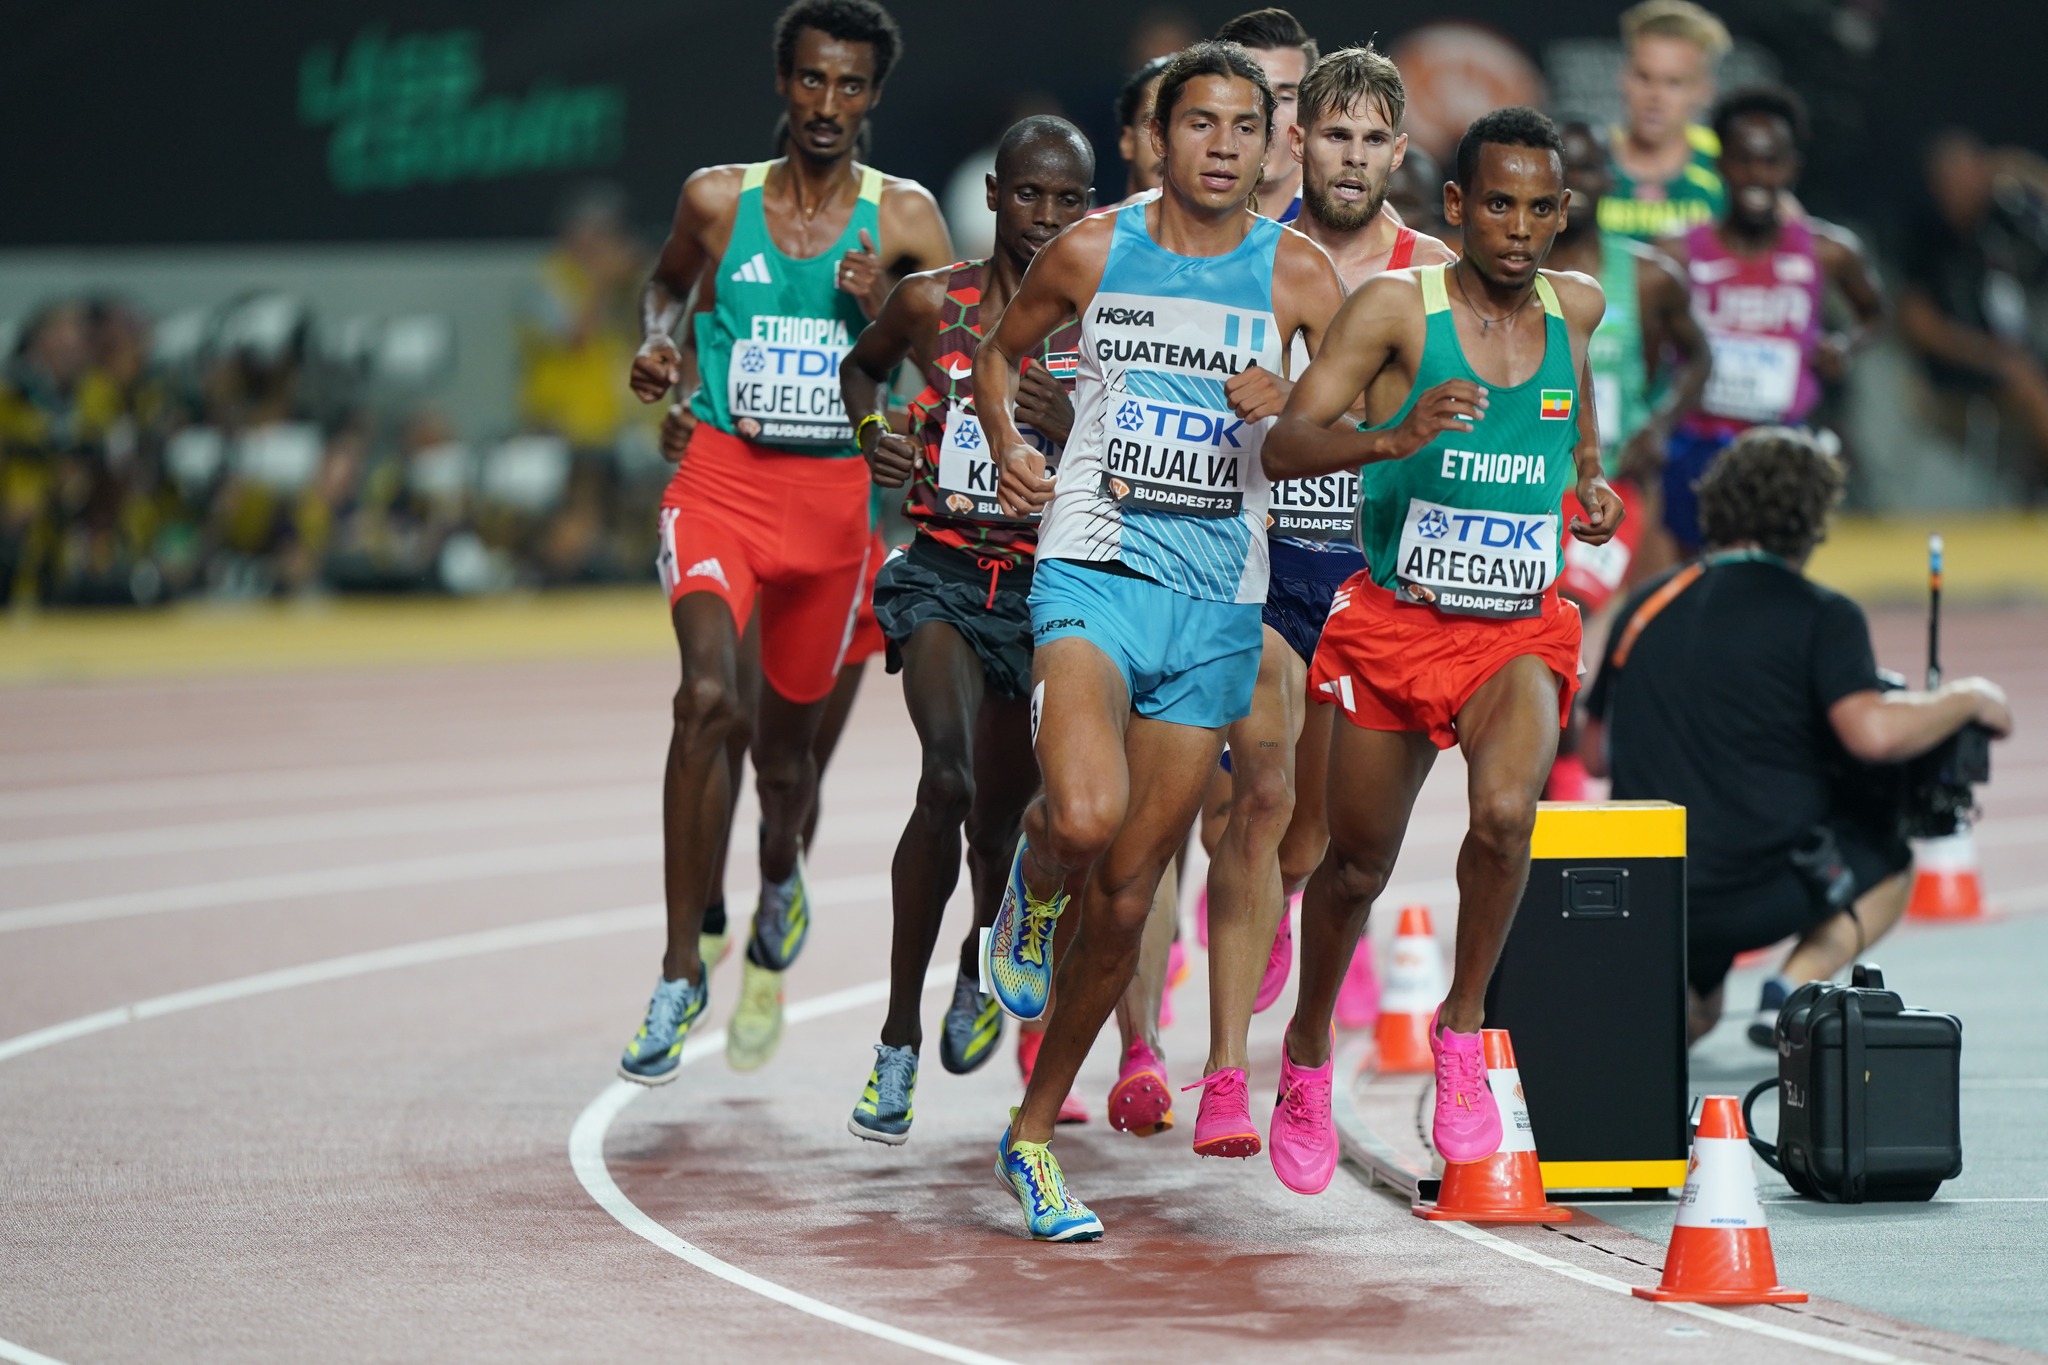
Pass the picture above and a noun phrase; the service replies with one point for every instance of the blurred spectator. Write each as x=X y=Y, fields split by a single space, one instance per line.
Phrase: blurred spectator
x=1976 y=271
x=1143 y=170
x=1160 y=31
x=578 y=325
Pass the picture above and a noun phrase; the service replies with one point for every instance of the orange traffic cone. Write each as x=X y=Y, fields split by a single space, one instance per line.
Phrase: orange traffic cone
x=1506 y=1187
x=1720 y=1249
x=1945 y=881
x=1415 y=986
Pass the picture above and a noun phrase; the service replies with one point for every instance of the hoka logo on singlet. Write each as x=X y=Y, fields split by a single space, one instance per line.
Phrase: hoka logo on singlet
x=1124 y=317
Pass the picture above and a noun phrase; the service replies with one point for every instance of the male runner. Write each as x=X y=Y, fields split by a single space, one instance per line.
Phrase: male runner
x=1664 y=175
x=1348 y=142
x=1152 y=559
x=1142 y=171
x=1285 y=52
x=785 y=258
x=1759 y=278
x=1454 y=633
x=953 y=606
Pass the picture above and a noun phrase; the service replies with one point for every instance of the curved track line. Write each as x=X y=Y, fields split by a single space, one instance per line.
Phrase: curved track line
x=586 y=1155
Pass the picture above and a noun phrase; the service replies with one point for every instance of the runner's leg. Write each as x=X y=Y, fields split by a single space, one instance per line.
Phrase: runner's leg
x=697 y=787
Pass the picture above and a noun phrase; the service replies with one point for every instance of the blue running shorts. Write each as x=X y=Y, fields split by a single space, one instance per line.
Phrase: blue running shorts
x=1305 y=578
x=1184 y=660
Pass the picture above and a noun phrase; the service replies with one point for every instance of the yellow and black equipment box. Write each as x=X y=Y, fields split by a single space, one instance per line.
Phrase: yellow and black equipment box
x=1591 y=987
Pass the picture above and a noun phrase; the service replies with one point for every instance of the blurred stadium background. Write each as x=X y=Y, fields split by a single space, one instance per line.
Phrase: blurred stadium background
x=339 y=297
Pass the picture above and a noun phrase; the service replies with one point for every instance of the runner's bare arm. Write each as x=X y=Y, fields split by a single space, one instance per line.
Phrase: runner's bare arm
x=1307 y=292
x=913 y=239
x=904 y=324
x=1845 y=267
x=1431 y=251
x=1362 y=339
x=1057 y=286
x=1669 y=327
x=1583 y=303
x=703 y=221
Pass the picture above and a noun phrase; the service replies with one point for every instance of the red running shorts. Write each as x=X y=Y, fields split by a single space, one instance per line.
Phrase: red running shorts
x=1403 y=666
x=741 y=521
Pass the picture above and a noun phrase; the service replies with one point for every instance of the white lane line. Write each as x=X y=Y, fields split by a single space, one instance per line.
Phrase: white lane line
x=428 y=871
x=611 y=803
x=586 y=1155
x=22 y=1355
x=1720 y=1317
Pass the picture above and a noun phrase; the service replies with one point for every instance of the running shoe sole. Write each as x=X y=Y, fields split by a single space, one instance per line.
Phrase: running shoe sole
x=859 y=1130
x=651 y=1081
x=1231 y=1144
x=1140 y=1106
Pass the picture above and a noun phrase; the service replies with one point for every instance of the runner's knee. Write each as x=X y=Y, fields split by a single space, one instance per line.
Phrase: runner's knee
x=1082 y=826
x=1503 y=818
x=1359 y=879
x=706 y=708
x=1262 y=801
x=945 y=790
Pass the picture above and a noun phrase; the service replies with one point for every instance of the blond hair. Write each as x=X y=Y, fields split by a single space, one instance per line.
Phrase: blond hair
x=1677 y=19
x=1349 y=77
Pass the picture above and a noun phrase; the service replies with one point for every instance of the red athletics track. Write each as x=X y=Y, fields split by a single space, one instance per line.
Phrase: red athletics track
x=396 y=925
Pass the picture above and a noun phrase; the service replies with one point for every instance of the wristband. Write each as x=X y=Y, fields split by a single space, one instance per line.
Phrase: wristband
x=860 y=430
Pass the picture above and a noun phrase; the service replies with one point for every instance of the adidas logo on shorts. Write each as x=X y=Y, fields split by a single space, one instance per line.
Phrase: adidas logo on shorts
x=709 y=568
x=754 y=271
x=1339 y=690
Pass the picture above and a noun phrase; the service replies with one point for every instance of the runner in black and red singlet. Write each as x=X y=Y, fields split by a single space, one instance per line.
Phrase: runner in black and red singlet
x=953 y=603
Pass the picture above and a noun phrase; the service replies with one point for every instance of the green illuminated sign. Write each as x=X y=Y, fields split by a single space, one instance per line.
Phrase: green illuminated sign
x=411 y=110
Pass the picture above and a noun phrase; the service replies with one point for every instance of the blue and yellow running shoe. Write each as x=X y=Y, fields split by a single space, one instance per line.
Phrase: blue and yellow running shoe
x=1033 y=1174
x=974 y=1025
x=1017 y=954
x=657 y=1049
x=884 y=1111
x=782 y=921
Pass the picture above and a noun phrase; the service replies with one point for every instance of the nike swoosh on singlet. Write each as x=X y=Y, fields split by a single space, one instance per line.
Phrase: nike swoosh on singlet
x=960 y=373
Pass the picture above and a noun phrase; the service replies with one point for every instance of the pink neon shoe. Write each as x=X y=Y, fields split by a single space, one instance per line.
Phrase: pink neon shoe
x=1467 y=1125
x=1304 y=1136
x=1358 y=999
x=1278 y=962
x=1223 y=1125
x=1140 y=1103
x=1071 y=1108
x=1176 y=972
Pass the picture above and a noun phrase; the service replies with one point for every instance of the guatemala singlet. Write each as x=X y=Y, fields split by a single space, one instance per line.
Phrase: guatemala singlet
x=1320 y=512
x=952 y=492
x=1621 y=387
x=1695 y=195
x=1159 y=475
x=1472 y=518
x=769 y=349
x=1762 y=316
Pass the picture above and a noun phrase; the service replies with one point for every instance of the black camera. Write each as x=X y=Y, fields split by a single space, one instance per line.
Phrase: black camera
x=1933 y=794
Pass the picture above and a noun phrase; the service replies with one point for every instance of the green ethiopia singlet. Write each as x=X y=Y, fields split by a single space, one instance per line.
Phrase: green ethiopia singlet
x=1694 y=195
x=1471 y=521
x=1621 y=388
x=768 y=352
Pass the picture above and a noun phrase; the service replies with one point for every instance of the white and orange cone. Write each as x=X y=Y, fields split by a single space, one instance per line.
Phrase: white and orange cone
x=1720 y=1249
x=1946 y=883
x=1415 y=986
x=1506 y=1187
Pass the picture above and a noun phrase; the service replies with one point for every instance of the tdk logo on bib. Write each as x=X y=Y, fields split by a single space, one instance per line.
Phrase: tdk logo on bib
x=1195 y=426
x=1477 y=563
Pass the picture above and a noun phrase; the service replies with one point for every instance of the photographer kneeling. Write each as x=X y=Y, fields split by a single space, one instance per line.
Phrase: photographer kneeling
x=1750 y=696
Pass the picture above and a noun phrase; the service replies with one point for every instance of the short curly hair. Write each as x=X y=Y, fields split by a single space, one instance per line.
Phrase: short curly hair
x=1774 y=487
x=850 y=21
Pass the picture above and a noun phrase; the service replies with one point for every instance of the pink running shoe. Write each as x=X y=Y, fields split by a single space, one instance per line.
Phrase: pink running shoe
x=1278 y=962
x=1358 y=999
x=1071 y=1108
x=1140 y=1102
x=1223 y=1125
x=1176 y=972
x=1467 y=1125
x=1304 y=1136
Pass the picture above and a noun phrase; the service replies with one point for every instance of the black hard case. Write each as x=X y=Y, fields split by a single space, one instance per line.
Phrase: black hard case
x=1868 y=1093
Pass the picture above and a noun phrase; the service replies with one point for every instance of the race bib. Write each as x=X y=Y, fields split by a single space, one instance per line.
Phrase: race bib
x=1170 y=457
x=967 y=466
x=1470 y=563
x=1755 y=378
x=1320 y=507
x=787 y=392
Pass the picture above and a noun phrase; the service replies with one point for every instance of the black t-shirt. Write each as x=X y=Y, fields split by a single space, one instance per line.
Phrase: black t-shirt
x=1722 y=708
